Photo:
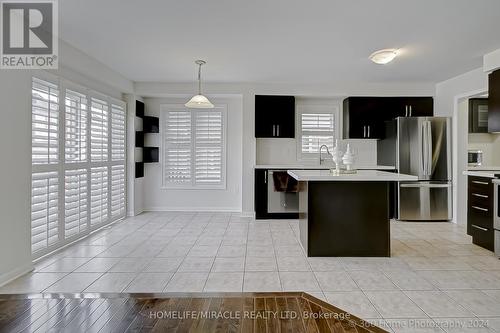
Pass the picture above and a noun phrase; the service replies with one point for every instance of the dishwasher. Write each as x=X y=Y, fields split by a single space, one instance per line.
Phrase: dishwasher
x=280 y=201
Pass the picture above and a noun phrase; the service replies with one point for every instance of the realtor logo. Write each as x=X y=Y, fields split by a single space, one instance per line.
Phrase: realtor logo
x=29 y=34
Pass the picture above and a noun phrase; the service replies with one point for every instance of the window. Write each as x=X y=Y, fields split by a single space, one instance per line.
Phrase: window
x=44 y=123
x=99 y=130
x=78 y=163
x=193 y=147
x=317 y=127
x=76 y=127
x=44 y=210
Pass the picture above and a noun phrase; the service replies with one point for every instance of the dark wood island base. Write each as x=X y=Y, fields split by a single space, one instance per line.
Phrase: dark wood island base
x=345 y=219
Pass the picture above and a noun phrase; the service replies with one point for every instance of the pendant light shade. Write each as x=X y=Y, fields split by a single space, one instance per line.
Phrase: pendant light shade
x=199 y=101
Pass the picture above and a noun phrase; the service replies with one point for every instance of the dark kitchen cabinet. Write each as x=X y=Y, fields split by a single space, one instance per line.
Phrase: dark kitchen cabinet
x=274 y=116
x=480 y=211
x=494 y=102
x=414 y=107
x=261 y=198
x=478 y=115
x=365 y=117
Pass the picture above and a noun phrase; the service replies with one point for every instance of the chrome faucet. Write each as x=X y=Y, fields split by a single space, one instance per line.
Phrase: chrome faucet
x=321 y=159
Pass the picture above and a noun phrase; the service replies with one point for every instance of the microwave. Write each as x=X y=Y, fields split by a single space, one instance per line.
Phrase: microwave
x=475 y=157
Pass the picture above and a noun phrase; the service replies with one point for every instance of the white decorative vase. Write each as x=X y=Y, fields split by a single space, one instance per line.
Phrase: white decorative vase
x=337 y=156
x=348 y=158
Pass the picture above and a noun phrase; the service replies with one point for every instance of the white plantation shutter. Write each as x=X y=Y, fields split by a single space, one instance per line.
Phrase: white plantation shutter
x=44 y=122
x=99 y=131
x=75 y=202
x=317 y=128
x=208 y=147
x=44 y=210
x=117 y=190
x=177 y=147
x=78 y=162
x=98 y=195
x=76 y=115
x=117 y=132
x=193 y=147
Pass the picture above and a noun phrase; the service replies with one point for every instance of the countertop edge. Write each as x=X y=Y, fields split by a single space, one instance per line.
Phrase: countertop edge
x=381 y=177
x=317 y=167
x=482 y=173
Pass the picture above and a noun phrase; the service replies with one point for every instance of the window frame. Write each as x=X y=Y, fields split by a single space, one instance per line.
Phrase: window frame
x=327 y=108
x=164 y=109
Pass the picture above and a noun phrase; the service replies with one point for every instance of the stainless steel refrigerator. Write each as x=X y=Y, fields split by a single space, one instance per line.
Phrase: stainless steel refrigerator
x=420 y=146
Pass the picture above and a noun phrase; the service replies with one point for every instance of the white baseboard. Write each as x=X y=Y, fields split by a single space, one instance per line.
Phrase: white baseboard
x=248 y=214
x=193 y=209
x=12 y=275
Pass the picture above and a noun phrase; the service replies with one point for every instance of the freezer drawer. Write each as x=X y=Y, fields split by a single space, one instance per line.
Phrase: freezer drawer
x=425 y=201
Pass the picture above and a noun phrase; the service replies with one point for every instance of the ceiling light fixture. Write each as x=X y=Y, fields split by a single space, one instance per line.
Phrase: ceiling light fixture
x=383 y=57
x=199 y=101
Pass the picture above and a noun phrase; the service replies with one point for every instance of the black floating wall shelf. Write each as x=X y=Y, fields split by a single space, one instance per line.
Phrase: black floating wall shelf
x=139 y=109
x=139 y=169
x=150 y=154
x=151 y=124
x=139 y=139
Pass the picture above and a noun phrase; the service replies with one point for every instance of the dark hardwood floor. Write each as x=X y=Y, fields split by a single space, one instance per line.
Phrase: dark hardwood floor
x=234 y=312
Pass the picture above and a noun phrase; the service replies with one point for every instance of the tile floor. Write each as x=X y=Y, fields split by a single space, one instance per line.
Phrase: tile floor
x=435 y=276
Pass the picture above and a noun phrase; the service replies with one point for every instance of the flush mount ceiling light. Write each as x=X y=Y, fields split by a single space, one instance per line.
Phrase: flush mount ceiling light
x=199 y=101
x=383 y=57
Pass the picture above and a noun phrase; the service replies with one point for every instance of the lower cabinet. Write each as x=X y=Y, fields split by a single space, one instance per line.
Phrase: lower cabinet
x=480 y=212
x=263 y=180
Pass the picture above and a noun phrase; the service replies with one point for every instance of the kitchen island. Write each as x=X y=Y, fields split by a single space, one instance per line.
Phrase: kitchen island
x=345 y=215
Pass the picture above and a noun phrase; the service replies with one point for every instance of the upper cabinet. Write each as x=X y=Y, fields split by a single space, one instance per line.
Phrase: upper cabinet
x=478 y=115
x=365 y=117
x=274 y=116
x=494 y=102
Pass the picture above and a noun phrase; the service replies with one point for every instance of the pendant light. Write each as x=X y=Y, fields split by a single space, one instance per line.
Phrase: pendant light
x=199 y=101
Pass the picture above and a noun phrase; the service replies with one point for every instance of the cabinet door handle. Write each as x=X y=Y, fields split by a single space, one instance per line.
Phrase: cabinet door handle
x=364 y=131
x=478 y=227
x=368 y=130
x=274 y=130
x=479 y=208
x=480 y=195
x=410 y=110
x=406 y=110
x=277 y=130
x=265 y=177
x=480 y=183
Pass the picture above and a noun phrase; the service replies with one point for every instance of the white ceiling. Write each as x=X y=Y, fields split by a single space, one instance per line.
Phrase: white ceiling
x=293 y=41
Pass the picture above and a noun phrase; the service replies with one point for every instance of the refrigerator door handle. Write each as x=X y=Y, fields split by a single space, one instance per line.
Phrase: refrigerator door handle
x=423 y=152
x=429 y=148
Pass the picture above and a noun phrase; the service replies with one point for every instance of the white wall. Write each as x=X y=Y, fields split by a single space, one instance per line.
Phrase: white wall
x=447 y=103
x=229 y=199
x=15 y=142
x=15 y=173
x=491 y=61
x=489 y=144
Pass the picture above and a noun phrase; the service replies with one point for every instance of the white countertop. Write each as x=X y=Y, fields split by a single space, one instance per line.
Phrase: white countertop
x=484 y=168
x=361 y=175
x=483 y=173
x=319 y=167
